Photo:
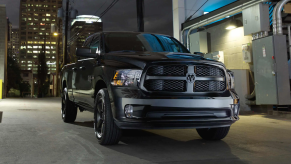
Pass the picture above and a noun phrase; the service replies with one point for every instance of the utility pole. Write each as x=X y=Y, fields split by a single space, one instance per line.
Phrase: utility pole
x=66 y=34
x=140 y=15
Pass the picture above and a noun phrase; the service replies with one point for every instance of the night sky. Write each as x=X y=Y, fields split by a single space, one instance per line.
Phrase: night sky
x=122 y=17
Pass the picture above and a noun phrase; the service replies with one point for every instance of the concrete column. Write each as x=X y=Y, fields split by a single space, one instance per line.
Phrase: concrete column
x=178 y=17
x=3 y=47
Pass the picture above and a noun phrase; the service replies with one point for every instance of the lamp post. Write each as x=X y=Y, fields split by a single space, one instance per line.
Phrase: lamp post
x=57 y=63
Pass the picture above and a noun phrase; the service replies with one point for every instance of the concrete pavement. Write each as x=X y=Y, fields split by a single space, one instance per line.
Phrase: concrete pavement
x=32 y=131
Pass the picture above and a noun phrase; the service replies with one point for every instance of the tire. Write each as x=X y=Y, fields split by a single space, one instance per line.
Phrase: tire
x=106 y=131
x=213 y=133
x=69 y=110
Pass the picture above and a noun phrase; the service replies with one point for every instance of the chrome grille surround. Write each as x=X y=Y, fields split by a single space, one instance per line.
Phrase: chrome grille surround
x=172 y=78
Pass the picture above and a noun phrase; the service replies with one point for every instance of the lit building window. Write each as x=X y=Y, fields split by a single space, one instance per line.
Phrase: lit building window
x=53 y=42
x=29 y=46
x=29 y=61
x=34 y=56
x=42 y=24
x=29 y=52
x=36 y=52
x=29 y=65
x=48 y=15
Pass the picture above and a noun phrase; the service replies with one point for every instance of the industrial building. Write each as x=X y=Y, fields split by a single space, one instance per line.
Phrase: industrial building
x=3 y=49
x=249 y=37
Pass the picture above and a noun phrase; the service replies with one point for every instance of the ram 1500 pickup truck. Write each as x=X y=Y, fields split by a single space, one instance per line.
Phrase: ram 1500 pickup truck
x=133 y=80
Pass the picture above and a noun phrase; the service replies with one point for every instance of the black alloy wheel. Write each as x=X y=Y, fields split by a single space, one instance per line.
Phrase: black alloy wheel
x=106 y=131
x=69 y=110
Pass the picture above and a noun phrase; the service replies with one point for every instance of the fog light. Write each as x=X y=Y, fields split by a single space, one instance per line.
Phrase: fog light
x=128 y=111
x=235 y=109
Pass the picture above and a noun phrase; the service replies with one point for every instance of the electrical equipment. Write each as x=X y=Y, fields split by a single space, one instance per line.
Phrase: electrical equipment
x=198 y=42
x=271 y=71
x=218 y=55
x=256 y=19
x=246 y=51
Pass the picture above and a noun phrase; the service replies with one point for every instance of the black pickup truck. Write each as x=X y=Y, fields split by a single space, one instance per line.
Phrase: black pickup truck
x=133 y=80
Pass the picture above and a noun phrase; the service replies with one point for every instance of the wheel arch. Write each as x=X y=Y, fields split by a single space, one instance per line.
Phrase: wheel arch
x=99 y=85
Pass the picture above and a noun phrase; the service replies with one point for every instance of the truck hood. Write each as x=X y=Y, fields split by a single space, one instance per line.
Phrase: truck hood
x=141 y=59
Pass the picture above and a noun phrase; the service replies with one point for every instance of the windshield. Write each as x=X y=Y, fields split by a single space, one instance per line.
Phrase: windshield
x=131 y=42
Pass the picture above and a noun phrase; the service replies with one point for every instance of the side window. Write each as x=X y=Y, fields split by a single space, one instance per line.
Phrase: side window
x=95 y=45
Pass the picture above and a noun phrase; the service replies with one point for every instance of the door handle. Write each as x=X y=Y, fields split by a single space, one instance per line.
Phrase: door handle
x=82 y=67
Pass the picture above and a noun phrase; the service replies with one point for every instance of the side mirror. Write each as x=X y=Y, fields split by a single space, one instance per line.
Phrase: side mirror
x=85 y=52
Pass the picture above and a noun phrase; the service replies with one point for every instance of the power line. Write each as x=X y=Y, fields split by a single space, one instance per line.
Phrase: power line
x=195 y=12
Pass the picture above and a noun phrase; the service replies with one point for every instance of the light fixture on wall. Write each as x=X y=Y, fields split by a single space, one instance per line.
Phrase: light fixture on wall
x=233 y=23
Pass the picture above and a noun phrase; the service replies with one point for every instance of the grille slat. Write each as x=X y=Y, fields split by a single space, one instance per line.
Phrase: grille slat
x=166 y=85
x=202 y=71
x=173 y=70
x=209 y=86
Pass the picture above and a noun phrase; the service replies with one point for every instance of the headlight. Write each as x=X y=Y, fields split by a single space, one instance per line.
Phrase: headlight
x=126 y=77
x=231 y=79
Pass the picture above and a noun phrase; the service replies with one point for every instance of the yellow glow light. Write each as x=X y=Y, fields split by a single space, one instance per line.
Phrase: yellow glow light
x=230 y=27
x=56 y=34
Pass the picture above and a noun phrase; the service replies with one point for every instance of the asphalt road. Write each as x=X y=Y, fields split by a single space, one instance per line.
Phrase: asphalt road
x=32 y=132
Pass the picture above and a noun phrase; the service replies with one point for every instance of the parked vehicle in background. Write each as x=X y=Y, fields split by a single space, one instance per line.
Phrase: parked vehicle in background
x=132 y=80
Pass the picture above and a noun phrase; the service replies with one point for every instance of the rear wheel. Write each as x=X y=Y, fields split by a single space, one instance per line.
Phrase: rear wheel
x=106 y=130
x=213 y=133
x=69 y=110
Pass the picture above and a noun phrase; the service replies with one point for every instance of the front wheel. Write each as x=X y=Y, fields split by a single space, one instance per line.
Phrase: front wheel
x=213 y=133
x=106 y=130
x=69 y=110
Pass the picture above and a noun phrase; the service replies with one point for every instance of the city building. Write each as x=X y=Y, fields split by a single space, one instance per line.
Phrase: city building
x=9 y=33
x=82 y=27
x=3 y=48
x=35 y=21
x=15 y=43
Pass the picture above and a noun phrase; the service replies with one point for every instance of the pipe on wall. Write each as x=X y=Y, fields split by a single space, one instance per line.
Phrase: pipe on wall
x=279 y=16
x=275 y=18
x=217 y=17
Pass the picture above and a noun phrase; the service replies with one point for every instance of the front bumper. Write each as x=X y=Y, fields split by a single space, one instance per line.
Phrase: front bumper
x=175 y=112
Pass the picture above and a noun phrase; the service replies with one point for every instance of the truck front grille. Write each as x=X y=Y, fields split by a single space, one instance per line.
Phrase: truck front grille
x=166 y=85
x=172 y=78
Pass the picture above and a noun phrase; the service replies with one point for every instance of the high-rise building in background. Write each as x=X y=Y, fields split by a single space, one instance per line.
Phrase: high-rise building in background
x=35 y=21
x=82 y=27
x=9 y=32
x=15 y=43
